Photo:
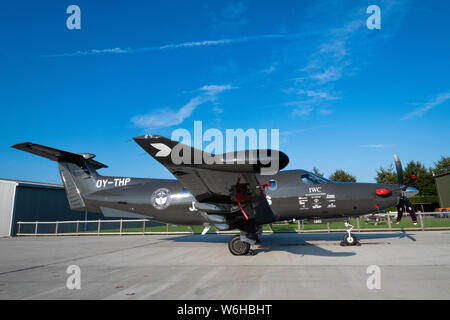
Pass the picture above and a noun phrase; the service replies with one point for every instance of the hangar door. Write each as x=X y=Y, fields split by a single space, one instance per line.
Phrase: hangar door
x=7 y=194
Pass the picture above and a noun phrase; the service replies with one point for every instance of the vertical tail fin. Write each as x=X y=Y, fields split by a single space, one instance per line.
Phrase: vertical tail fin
x=78 y=171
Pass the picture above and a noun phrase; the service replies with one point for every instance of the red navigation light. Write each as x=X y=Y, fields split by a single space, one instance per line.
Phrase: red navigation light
x=383 y=192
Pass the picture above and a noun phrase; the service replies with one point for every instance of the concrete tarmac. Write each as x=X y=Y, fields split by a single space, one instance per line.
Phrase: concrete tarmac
x=413 y=265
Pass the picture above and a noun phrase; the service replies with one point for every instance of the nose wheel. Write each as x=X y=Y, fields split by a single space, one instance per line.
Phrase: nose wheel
x=238 y=247
x=349 y=238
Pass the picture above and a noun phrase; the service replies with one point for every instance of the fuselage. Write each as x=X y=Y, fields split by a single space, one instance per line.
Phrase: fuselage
x=292 y=194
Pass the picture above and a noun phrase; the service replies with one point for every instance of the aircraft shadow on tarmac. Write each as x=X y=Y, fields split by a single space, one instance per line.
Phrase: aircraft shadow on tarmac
x=303 y=244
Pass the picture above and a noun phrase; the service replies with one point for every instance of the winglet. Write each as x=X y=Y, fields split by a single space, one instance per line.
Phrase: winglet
x=161 y=148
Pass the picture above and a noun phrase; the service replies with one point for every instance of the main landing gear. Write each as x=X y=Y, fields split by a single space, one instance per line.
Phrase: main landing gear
x=238 y=247
x=249 y=234
x=349 y=238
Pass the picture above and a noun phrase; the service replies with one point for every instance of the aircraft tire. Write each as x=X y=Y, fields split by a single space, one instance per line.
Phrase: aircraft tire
x=238 y=247
x=350 y=241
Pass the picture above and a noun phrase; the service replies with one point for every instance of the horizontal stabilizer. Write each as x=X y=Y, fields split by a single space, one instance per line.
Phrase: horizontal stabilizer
x=58 y=155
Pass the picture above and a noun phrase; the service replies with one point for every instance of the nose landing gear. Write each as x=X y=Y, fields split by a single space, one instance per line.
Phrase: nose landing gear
x=349 y=238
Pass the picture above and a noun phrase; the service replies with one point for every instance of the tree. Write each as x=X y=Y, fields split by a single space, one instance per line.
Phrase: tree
x=424 y=181
x=387 y=175
x=442 y=166
x=342 y=176
x=316 y=171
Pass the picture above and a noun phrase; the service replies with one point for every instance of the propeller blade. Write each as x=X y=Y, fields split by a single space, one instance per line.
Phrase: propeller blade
x=398 y=166
x=400 y=209
x=411 y=211
x=404 y=202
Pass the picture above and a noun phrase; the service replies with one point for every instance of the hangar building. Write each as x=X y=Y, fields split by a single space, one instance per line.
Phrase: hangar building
x=443 y=189
x=35 y=201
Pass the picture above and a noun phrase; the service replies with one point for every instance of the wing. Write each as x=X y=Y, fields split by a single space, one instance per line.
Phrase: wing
x=225 y=182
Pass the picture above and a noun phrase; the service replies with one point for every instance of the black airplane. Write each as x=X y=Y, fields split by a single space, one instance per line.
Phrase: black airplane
x=228 y=193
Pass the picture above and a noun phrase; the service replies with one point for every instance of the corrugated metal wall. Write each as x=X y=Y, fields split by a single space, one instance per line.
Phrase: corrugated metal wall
x=39 y=203
x=7 y=191
x=29 y=202
x=443 y=189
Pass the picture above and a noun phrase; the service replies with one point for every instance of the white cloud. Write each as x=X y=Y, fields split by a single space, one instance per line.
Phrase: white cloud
x=181 y=45
x=326 y=65
x=376 y=146
x=324 y=111
x=329 y=61
x=169 y=117
x=269 y=70
x=315 y=101
x=235 y=9
x=296 y=131
x=303 y=110
x=214 y=90
x=217 y=109
x=301 y=107
x=322 y=95
x=339 y=52
x=330 y=74
x=441 y=98
x=336 y=48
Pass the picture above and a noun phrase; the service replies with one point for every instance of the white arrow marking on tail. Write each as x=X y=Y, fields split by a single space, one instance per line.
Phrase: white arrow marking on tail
x=164 y=150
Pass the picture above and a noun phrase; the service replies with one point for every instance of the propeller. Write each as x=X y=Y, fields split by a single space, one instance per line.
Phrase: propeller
x=398 y=166
x=404 y=202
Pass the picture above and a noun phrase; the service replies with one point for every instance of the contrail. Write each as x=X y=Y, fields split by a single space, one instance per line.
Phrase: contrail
x=180 y=45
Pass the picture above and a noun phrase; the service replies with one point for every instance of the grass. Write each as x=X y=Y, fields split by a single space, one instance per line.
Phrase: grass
x=280 y=227
x=436 y=222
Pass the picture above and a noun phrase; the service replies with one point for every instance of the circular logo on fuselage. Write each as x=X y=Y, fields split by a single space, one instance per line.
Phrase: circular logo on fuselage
x=161 y=198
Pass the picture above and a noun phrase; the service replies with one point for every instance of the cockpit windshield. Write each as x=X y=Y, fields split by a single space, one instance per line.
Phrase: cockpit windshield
x=311 y=178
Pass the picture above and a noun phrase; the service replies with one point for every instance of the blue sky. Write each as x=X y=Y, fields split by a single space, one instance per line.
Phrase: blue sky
x=343 y=96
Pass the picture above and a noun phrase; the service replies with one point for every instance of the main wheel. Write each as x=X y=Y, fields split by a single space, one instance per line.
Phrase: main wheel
x=238 y=247
x=350 y=240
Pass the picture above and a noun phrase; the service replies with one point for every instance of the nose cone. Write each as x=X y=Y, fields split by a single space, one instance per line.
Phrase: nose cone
x=410 y=192
x=387 y=190
x=386 y=195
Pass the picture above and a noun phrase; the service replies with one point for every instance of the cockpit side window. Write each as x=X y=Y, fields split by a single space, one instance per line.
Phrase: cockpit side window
x=311 y=179
x=273 y=185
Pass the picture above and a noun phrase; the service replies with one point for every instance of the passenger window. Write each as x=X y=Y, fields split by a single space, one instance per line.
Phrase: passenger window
x=310 y=179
